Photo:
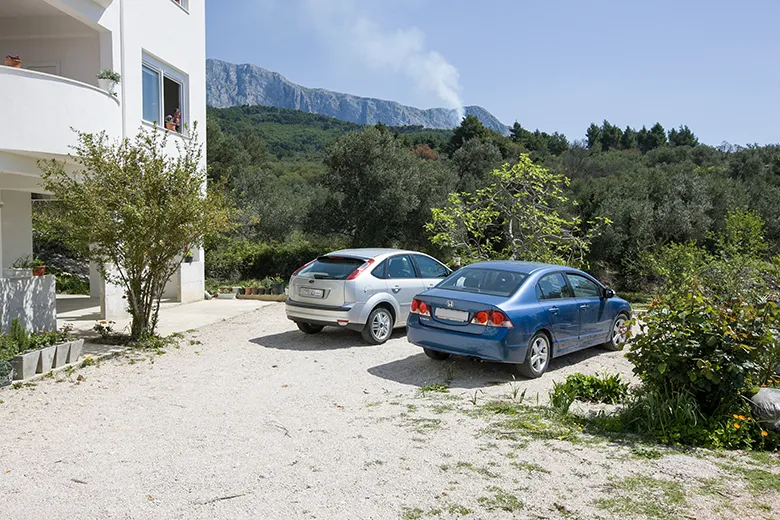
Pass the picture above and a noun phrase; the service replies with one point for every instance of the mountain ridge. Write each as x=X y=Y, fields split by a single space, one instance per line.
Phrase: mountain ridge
x=229 y=84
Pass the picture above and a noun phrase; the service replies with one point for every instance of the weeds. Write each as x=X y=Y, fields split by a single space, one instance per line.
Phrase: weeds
x=436 y=387
x=501 y=500
x=607 y=388
x=643 y=495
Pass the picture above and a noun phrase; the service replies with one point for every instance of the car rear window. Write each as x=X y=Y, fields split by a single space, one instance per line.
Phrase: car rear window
x=484 y=281
x=332 y=268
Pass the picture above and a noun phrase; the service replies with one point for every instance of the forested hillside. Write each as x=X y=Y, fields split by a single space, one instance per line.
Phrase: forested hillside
x=306 y=183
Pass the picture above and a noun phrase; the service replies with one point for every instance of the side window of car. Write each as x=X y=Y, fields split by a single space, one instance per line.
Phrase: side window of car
x=400 y=267
x=380 y=271
x=430 y=268
x=583 y=288
x=552 y=287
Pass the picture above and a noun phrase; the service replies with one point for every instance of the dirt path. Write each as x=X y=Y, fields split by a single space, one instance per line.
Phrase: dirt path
x=252 y=419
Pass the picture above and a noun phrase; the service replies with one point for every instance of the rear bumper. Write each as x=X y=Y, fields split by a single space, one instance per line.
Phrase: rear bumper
x=489 y=348
x=347 y=316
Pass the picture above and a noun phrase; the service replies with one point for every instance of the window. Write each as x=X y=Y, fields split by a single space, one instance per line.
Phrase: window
x=430 y=268
x=164 y=96
x=583 y=288
x=400 y=267
x=331 y=268
x=484 y=281
x=552 y=287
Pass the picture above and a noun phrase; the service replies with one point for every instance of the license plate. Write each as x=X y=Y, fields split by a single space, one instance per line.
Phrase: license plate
x=311 y=293
x=452 y=315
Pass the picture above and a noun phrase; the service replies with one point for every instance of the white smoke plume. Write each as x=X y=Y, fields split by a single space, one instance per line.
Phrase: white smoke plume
x=401 y=50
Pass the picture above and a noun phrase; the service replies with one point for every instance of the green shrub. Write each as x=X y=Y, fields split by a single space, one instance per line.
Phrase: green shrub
x=19 y=335
x=8 y=347
x=706 y=347
x=608 y=388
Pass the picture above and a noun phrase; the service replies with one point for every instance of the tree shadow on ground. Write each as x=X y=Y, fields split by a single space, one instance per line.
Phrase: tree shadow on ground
x=329 y=339
x=461 y=372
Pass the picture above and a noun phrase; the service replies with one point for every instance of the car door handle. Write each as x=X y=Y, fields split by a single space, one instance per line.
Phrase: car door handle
x=396 y=288
x=584 y=306
x=554 y=310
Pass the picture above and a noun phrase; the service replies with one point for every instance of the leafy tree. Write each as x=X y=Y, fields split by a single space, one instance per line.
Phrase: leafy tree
x=520 y=215
x=473 y=163
x=470 y=128
x=594 y=137
x=628 y=140
x=611 y=136
x=133 y=210
x=652 y=139
x=682 y=137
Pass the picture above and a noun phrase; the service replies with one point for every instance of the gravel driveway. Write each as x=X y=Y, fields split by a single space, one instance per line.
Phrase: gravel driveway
x=252 y=419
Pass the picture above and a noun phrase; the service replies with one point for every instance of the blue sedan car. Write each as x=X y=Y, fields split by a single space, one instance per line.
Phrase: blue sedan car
x=517 y=312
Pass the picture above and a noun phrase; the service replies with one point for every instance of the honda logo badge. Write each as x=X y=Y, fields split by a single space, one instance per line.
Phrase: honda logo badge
x=450 y=304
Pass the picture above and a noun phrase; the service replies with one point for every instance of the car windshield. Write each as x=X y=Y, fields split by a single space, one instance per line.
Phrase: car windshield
x=484 y=281
x=332 y=267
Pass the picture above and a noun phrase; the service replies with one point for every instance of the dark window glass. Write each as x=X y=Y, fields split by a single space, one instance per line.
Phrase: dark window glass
x=552 y=287
x=380 y=271
x=484 y=281
x=583 y=288
x=430 y=268
x=400 y=267
x=332 y=268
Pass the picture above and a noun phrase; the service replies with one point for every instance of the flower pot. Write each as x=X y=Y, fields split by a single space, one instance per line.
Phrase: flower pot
x=242 y=291
x=25 y=364
x=227 y=296
x=107 y=85
x=74 y=353
x=46 y=360
x=170 y=126
x=39 y=270
x=187 y=259
x=61 y=356
x=13 y=63
x=262 y=290
x=8 y=378
x=277 y=288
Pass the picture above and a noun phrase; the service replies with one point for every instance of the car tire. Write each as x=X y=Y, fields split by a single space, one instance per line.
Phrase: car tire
x=617 y=336
x=379 y=326
x=435 y=354
x=308 y=328
x=537 y=359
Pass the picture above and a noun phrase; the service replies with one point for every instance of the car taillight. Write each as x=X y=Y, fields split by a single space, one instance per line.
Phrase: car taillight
x=420 y=308
x=354 y=274
x=480 y=318
x=301 y=268
x=492 y=319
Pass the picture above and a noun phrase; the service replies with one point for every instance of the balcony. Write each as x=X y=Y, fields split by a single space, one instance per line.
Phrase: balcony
x=39 y=110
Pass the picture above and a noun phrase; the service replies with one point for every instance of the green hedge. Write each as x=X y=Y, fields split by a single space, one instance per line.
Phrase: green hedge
x=242 y=259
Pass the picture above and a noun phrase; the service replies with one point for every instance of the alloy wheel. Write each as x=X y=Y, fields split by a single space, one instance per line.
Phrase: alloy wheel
x=539 y=354
x=619 y=331
x=380 y=325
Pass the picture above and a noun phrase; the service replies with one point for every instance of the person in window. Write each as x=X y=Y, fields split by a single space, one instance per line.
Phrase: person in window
x=176 y=119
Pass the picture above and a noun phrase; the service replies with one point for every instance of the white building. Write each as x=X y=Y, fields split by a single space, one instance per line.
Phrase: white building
x=158 y=47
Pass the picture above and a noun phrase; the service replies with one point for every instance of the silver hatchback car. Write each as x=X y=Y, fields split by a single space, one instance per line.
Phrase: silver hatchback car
x=368 y=290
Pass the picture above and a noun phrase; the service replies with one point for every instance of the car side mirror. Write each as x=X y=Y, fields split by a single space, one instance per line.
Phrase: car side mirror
x=609 y=293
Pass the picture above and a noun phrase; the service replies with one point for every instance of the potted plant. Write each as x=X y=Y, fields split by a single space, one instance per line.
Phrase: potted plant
x=6 y=373
x=108 y=79
x=26 y=362
x=74 y=352
x=277 y=285
x=38 y=267
x=169 y=124
x=226 y=293
x=13 y=61
x=188 y=256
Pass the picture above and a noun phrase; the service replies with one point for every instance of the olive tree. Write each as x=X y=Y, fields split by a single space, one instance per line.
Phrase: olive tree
x=133 y=209
x=522 y=214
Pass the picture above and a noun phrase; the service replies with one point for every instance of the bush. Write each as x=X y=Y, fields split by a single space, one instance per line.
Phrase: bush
x=706 y=347
x=608 y=388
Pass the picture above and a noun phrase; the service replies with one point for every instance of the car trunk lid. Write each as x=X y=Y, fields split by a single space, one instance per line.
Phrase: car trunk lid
x=454 y=310
x=323 y=282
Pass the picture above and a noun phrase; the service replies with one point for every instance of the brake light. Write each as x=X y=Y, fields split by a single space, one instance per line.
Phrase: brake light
x=301 y=268
x=492 y=319
x=420 y=308
x=354 y=274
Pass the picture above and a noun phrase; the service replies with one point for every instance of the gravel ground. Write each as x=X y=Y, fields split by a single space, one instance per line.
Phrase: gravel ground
x=252 y=419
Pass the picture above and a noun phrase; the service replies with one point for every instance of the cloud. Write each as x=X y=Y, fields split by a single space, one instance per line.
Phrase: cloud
x=401 y=50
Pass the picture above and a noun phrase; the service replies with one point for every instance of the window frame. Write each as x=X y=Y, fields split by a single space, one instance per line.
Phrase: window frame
x=164 y=71
x=599 y=288
x=411 y=262
x=419 y=269
x=565 y=284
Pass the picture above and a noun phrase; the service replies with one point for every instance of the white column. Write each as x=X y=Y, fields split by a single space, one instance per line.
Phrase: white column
x=95 y=281
x=113 y=305
x=16 y=226
x=192 y=279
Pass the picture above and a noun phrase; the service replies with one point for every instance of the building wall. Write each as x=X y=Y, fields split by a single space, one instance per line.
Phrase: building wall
x=16 y=225
x=59 y=40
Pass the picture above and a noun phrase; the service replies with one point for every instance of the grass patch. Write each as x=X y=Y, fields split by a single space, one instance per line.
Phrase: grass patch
x=758 y=481
x=500 y=501
x=643 y=495
x=641 y=452
x=424 y=425
x=468 y=466
x=412 y=513
x=434 y=388
x=533 y=421
x=529 y=466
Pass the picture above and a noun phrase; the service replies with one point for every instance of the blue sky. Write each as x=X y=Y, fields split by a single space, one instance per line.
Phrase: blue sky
x=557 y=66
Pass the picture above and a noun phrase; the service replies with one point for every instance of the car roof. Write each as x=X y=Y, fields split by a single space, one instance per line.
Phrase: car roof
x=518 y=267
x=368 y=252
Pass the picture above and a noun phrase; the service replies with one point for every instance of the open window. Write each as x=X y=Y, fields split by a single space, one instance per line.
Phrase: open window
x=164 y=95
